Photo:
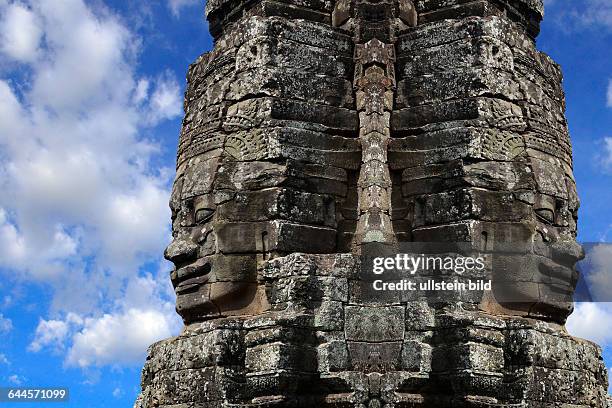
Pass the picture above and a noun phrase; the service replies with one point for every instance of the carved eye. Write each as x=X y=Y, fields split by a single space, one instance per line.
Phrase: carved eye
x=545 y=215
x=203 y=215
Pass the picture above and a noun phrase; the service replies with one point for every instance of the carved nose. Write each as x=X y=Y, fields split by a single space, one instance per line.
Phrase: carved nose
x=180 y=251
x=567 y=253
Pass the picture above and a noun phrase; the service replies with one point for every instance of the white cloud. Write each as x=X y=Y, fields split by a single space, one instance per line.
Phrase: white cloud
x=609 y=94
x=592 y=321
x=117 y=392
x=598 y=270
x=16 y=379
x=160 y=98
x=20 y=33
x=599 y=12
x=586 y=14
x=118 y=338
x=83 y=208
x=122 y=337
x=6 y=301
x=142 y=90
x=6 y=325
x=4 y=360
x=606 y=154
x=77 y=174
x=177 y=5
x=49 y=333
x=166 y=101
x=15 y=252
x=12 y=245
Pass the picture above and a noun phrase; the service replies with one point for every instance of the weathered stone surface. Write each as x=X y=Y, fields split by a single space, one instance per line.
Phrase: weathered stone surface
x=315 y=129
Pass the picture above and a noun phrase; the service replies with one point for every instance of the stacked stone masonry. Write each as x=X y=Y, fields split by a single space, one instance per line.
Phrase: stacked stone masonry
x=315 y=128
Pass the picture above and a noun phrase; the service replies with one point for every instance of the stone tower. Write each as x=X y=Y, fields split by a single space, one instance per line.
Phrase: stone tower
x=318 y=133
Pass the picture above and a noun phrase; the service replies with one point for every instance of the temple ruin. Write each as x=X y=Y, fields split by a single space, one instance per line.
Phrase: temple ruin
x=316 y=132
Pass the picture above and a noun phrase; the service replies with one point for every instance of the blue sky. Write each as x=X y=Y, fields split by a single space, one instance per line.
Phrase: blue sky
x=90 y=110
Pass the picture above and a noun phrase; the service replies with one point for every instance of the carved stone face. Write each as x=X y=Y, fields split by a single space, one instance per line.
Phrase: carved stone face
x=540 y=282
x=207 y=284
x=555 y=250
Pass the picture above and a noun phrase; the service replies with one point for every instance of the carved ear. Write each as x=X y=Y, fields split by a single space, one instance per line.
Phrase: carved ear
x=341 y=13
x=408 y=13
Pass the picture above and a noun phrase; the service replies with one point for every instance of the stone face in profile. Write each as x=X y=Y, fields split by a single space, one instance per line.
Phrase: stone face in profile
x=314 y=130
x=208 y=284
